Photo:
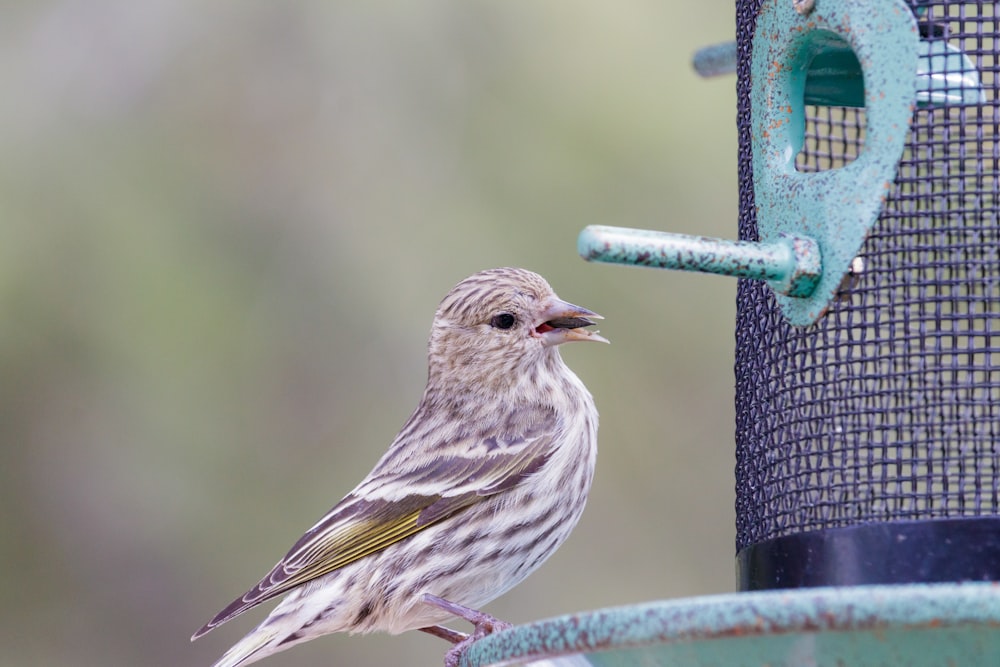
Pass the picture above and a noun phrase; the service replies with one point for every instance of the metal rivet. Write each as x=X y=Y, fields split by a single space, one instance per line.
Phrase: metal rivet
x=803 y=7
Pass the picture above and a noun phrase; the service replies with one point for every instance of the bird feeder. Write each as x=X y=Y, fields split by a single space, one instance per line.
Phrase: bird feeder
x=867 y=351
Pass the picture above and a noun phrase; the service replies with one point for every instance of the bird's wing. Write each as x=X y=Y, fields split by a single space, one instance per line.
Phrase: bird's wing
x=360 y=525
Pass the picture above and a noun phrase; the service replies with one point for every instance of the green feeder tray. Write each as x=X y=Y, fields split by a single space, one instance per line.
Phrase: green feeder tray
x=912 y=625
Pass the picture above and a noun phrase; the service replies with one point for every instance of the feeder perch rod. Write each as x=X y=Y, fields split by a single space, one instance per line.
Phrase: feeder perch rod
x=790 y=264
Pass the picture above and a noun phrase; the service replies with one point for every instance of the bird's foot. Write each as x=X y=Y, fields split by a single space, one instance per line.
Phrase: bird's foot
x=447 y=634
x=483 y=622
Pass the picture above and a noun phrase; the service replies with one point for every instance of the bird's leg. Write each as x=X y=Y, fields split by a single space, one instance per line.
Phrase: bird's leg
x=447 y=634
x=484 y=623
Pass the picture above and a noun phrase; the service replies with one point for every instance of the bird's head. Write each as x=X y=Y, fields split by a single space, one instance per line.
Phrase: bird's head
x=504 y=319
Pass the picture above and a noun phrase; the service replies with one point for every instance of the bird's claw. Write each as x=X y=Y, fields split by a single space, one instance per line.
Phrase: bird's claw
x=484 y=623
x=487 y=626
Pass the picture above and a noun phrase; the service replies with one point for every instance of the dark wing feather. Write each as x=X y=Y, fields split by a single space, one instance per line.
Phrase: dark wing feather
x=359 y=526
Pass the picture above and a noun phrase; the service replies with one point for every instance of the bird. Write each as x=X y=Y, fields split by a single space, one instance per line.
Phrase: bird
x=485 y=480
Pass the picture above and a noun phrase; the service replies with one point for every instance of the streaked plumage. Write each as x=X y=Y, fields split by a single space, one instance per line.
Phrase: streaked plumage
x=485 y=480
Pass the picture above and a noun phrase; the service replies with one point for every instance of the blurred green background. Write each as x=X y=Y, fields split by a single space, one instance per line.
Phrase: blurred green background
x=225 y=228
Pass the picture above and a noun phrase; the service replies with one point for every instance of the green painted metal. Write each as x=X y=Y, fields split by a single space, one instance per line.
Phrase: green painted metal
x=831 y=211
x=836 y=208
x=915 y=625
x=946 y=76
x=790 y=264
x=715 y=60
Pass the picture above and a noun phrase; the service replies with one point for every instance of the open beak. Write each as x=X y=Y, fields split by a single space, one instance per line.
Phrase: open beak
x=562 y=322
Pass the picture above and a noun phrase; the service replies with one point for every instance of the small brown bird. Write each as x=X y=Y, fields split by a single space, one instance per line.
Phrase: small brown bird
x=485 y=480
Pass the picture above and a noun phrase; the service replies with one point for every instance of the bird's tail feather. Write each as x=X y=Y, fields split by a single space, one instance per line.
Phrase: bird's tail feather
x=257 y=645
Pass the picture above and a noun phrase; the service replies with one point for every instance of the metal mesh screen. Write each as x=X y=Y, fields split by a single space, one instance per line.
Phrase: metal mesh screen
x=889 y=408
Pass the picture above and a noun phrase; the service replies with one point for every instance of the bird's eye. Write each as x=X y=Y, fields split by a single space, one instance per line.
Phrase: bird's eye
x=503 y=321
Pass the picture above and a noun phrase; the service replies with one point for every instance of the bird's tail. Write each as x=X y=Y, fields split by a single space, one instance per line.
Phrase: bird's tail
x=258 y=644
